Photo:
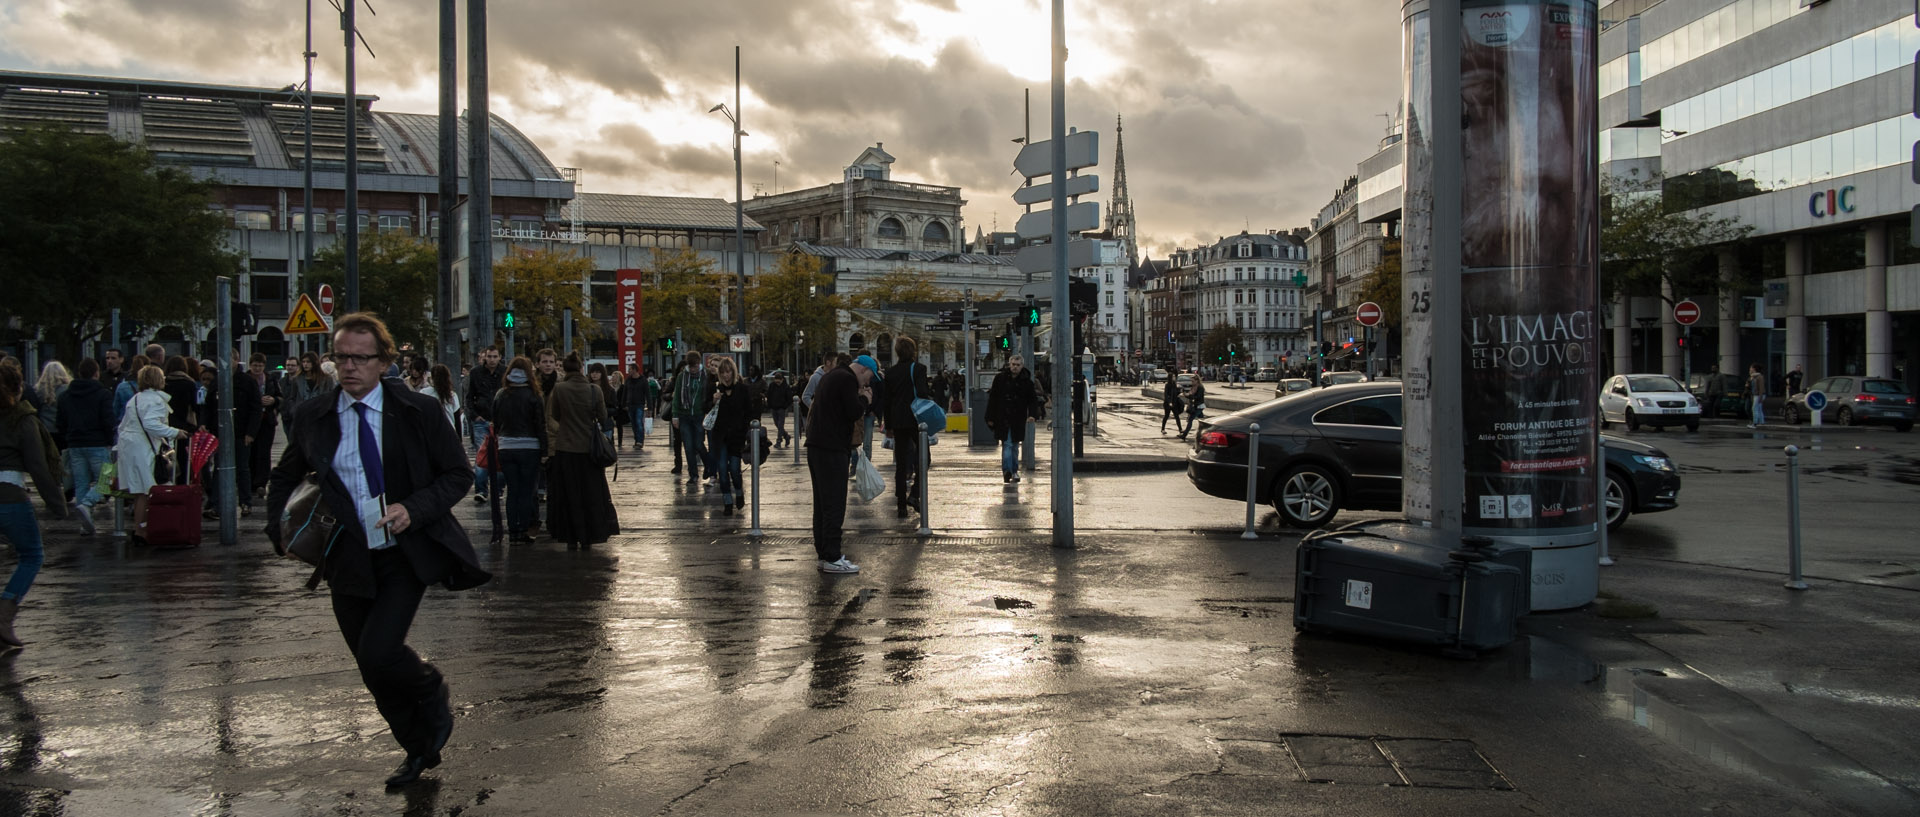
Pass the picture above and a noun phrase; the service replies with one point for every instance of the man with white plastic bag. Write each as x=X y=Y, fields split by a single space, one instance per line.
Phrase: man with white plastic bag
x=833 y=429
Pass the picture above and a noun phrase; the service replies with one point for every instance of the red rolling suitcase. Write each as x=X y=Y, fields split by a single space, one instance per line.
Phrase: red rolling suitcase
x=173 y=515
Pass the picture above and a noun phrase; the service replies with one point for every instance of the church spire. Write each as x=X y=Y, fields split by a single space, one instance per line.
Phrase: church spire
x=1120 y=225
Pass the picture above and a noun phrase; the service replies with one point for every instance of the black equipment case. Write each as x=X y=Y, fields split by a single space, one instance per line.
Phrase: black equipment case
x=1392 y=579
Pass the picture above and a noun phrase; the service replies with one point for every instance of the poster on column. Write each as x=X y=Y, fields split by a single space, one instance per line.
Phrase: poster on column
x=627 y=326
x=1530 y=348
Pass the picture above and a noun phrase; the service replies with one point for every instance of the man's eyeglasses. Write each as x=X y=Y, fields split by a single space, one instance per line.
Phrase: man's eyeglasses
x=343 y=359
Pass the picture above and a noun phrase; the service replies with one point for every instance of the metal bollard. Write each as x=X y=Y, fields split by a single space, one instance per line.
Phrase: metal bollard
x=926 y=459
x=1794 y=579
x=119 y=516
x=1606 y=555
x=796 y=430
x=1253 y=478
x=753 y=454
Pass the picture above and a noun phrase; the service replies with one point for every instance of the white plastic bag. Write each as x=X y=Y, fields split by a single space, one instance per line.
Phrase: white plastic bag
x=866 y=479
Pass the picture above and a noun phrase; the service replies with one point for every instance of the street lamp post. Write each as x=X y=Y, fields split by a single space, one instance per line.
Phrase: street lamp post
x=739 y=213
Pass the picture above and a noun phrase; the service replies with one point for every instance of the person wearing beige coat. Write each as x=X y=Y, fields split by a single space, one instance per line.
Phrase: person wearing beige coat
x=579 y=504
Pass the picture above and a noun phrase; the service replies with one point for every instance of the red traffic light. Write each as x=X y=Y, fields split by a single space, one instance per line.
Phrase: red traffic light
x=1680 y=341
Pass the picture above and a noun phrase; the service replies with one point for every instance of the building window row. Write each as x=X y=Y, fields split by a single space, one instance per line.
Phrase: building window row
x=1874 y=145
x=1869 y=54
x=1729 y=24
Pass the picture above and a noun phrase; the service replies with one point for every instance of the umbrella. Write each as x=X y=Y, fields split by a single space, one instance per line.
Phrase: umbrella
x=201 y=450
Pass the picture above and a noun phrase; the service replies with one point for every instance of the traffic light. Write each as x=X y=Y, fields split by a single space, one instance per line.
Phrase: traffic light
x=503 y=319
x=666 y=343
x=1326 y=348
x=1033 y=316
x=1003 y=343
x=1680 y=341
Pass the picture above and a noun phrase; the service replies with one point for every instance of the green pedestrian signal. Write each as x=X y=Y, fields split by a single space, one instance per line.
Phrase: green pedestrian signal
x=667 y=343
x=1005 y=343
x=504 y=318
x=1033 y=316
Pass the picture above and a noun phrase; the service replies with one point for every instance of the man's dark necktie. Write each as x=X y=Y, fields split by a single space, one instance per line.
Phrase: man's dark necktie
x=370 y=455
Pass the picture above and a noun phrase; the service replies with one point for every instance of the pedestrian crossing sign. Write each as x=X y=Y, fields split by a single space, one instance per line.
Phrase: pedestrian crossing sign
x=305 y=319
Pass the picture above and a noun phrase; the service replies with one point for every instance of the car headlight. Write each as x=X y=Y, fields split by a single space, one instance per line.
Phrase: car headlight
x=1692 y=403
x=1656 y=463
x=1643 y=402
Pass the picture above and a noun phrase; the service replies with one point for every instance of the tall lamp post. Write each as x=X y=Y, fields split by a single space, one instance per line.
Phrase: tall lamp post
x=739 y=213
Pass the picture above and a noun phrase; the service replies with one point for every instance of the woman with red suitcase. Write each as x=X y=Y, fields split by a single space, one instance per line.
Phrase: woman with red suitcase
x=144 y=431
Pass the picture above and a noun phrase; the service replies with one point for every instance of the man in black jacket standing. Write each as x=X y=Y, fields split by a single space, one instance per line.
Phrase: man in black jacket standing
x=391 y=468
x=839 y=403
x=482 y=383
x=246 y=424
x=85 y=421
x=905 y=381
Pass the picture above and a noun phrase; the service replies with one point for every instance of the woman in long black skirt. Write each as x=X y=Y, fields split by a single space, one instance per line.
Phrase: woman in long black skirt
x=579 y=506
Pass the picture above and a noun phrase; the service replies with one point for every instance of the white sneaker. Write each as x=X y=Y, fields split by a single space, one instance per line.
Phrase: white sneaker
x=84 y=513
x=841 y=566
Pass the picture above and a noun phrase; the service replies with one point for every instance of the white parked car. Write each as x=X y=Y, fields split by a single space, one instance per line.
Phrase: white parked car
x=1647 y=399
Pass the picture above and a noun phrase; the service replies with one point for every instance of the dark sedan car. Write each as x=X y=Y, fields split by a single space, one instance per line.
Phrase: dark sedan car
x=1338 y=448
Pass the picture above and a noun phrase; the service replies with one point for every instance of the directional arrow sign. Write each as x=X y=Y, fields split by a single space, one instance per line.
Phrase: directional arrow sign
x=1043 y=192
x=1039 y=224
x=1081 y=252
x=1083 y=150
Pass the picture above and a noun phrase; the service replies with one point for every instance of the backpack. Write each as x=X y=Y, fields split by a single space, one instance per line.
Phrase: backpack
x=56 y=463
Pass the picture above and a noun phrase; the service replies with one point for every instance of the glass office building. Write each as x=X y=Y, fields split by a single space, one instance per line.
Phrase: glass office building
x=1796 y=119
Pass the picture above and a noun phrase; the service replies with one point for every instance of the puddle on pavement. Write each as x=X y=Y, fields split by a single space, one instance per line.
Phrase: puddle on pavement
x=1792 y=758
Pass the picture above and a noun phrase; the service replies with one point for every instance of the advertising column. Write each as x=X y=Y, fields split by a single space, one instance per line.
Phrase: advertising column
x=1526 y=328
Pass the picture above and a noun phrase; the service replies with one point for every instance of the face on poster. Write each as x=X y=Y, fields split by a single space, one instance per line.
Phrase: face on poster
x=1529 y=335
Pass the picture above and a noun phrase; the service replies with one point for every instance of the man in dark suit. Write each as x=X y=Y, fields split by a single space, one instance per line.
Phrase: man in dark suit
x=391 y=468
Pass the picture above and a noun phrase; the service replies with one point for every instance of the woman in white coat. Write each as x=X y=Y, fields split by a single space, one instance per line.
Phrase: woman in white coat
x=143 y=430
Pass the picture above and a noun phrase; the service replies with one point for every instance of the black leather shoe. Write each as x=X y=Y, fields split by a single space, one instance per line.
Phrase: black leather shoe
x=411 y=768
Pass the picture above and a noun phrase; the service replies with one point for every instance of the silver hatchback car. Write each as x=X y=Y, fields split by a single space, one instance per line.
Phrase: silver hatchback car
x=1853 y=400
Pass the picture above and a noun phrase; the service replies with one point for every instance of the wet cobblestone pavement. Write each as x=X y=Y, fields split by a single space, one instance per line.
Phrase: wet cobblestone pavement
x=689 y=668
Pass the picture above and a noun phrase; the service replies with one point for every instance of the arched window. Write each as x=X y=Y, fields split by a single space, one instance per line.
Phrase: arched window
x=936 y=231
x=890 y=228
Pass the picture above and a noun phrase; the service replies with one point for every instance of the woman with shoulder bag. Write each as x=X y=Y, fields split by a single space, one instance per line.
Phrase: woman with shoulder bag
x=736 y=405
x=579 y=505
x=143 y=435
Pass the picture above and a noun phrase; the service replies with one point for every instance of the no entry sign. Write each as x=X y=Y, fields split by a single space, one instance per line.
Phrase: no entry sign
x=1686 y=313
x=326 y=299
x=1367 y=314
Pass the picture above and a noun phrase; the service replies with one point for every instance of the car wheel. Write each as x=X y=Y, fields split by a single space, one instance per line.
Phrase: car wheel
x=1793 y=414
x=1307 y=496
x=1845 y=416
x=1693 y=425
x=1633 y=423
x=1619 y=500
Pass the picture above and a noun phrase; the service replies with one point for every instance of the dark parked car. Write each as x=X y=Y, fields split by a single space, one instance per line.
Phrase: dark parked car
x=1855 y=400
x=1338 y=448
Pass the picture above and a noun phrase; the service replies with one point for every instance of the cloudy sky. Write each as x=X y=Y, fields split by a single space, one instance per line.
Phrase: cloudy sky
x=1239 y=113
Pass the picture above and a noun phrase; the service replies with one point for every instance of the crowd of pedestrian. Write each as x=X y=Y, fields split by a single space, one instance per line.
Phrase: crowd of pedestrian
x=391 y=441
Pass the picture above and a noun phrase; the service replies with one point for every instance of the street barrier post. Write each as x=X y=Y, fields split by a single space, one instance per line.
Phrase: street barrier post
x=753 y=454
x=925 y=459
x=796 y=430
x=1794 y=579
x=1253 y=478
